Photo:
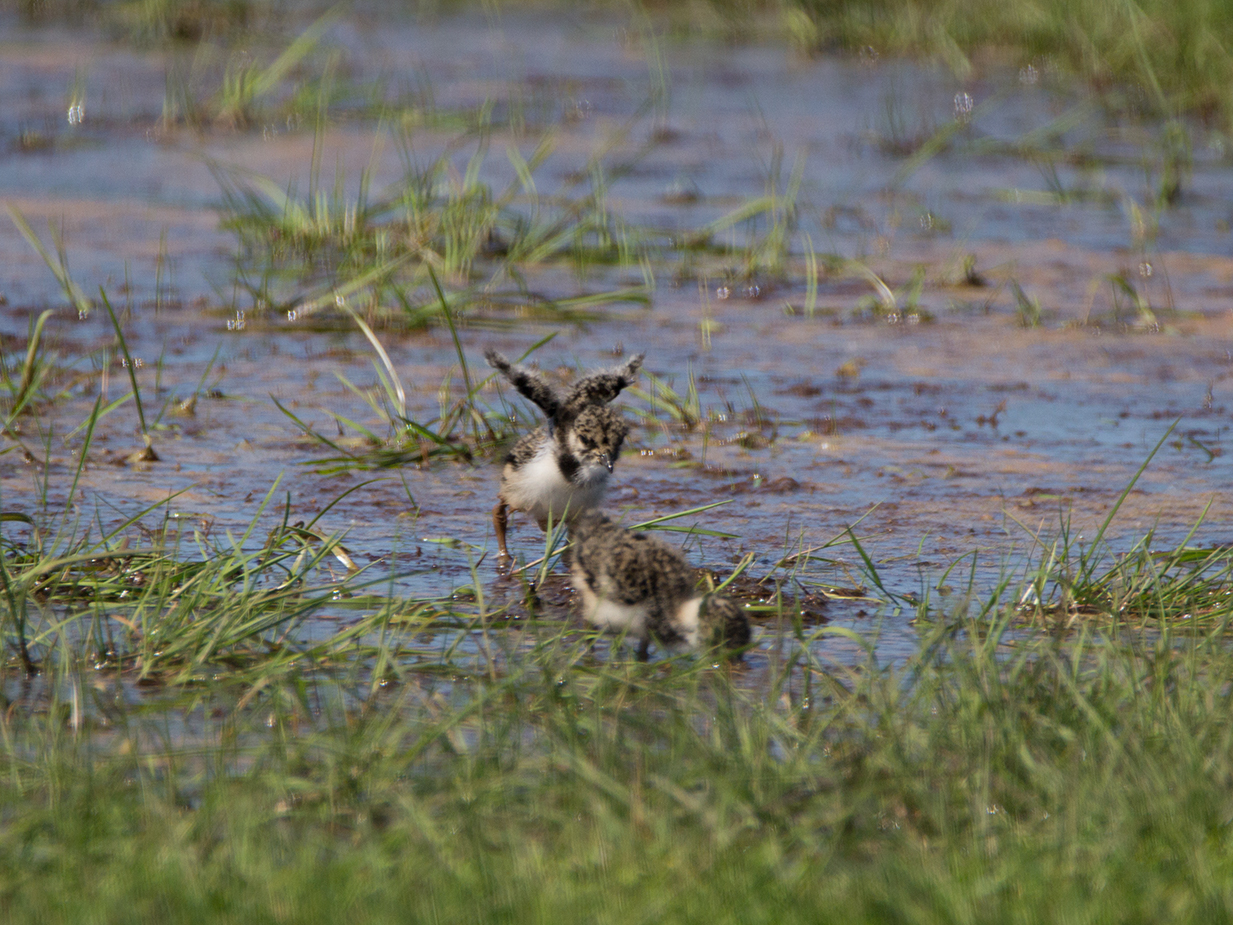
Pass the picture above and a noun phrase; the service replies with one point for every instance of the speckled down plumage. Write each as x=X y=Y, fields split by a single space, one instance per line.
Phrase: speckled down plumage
x=548 y=481
x=559 y=470
x=562 y=407
x=638 y=584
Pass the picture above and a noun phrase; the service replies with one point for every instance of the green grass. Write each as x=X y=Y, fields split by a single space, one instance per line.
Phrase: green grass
x=999 y=774
x=1168 y=57
x=246 y=727
x=378 y=252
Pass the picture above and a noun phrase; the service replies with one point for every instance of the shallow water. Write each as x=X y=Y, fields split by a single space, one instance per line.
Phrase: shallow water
x=939 y=423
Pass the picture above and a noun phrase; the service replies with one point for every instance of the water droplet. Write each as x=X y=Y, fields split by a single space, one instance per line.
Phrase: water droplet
x=964 y=104
x=869 y=55
x=1029 y=76
x=926 y=221
x=681 y=192
x=238 y=323
x=577 y=110
x=1145 y=270
x=76 y=113
x=723 y=292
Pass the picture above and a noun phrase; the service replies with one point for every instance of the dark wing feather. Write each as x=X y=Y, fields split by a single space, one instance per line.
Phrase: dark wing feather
x=601 y=388
x=530 y=384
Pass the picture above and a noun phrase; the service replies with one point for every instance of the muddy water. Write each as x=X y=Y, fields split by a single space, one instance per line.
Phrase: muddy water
x=926 y=414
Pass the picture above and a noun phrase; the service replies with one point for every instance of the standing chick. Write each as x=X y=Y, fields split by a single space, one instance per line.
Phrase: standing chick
x=562 y=469
x=636 y=583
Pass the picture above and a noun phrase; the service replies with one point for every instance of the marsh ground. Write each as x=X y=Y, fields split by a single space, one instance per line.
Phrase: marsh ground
x=917 y=332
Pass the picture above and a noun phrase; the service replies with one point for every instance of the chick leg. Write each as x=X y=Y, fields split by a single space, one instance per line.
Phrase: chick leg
x=500 y=518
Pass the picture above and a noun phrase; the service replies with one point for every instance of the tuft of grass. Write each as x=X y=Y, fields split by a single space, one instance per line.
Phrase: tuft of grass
x=683 y=411
x=463 y=430
x=160 y=603
x=1186 y=588
x=246 y=85
x=381 y=250
x=37 y=367
x=1027 y=309
x=59 y=265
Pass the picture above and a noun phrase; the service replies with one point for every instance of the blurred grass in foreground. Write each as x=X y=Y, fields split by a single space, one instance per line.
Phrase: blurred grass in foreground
x=1086 y=780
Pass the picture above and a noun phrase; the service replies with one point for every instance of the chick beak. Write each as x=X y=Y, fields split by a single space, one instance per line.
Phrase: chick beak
x=606 y=460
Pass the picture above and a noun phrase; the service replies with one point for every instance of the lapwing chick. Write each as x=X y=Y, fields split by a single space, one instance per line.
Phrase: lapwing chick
x=635 y=583
x=558 y=471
